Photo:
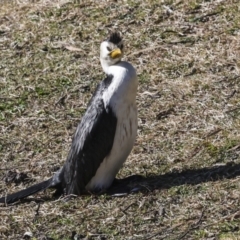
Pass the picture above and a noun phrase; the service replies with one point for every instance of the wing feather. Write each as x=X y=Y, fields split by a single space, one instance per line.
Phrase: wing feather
x=92 y=142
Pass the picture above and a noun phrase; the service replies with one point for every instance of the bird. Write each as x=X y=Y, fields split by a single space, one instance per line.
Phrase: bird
x=105 y=135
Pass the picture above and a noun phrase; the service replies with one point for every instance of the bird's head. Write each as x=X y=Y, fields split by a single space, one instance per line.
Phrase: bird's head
x=111 y=51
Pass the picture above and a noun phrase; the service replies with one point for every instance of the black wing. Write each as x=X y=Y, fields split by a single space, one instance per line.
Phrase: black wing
x=92 y=142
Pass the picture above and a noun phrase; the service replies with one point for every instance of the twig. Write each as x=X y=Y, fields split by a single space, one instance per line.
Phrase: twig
x=228 y=217
x=37 y=210
x=229 y=79
x=61 y=100
x=234 y=148
x=124 y=210
x=232 y=110
x=165 y=113
x=155 y=234
x=231 y=95
x=201 y=18
x=146 y=50
x=214 y=132
x=193 y=226
x=159 y=232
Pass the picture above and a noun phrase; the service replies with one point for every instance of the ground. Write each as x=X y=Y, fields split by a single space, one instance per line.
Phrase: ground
x=187 y=56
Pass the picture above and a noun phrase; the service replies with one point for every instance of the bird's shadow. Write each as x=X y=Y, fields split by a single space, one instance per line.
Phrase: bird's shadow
x=137 y=183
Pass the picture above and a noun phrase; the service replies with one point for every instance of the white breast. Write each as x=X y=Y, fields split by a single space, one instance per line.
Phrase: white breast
x=121 y=96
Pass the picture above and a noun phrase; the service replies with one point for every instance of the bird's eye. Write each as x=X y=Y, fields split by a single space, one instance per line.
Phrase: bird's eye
x=109 y=49
x=121 y=46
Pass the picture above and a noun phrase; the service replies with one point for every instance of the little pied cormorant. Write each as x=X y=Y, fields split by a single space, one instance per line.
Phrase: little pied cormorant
x=105 y=136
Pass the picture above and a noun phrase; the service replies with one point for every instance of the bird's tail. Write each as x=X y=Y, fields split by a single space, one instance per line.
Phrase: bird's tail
x=26 y=192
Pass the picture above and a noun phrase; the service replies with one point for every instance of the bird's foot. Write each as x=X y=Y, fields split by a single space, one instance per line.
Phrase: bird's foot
x=122 y=187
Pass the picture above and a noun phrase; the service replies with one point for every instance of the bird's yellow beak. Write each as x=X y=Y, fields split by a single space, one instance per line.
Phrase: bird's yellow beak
x=116 y=53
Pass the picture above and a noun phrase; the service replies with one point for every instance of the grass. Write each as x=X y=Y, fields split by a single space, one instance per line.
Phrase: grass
x=187 y=58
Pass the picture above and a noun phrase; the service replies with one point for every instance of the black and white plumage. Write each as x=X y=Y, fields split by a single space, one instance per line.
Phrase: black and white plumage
x=105 y=136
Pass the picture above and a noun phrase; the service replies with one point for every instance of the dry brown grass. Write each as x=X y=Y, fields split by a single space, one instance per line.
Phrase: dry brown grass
x=188 y=147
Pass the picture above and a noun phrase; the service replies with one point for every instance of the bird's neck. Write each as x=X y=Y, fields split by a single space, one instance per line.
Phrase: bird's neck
x=106 y=65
